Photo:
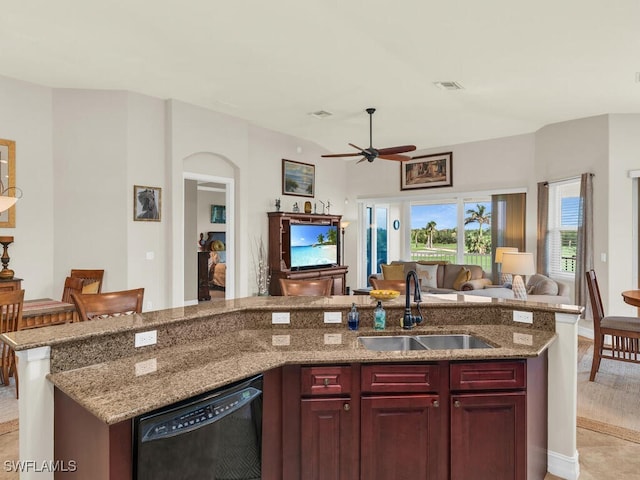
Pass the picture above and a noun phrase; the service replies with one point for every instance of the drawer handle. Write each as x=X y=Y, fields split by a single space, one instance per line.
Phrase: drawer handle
x=436 y=403
x=346 y=407
x=326 y=382
x=457 y=404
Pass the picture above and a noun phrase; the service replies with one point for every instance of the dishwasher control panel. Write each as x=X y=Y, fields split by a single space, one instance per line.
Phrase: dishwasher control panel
x=199 y=415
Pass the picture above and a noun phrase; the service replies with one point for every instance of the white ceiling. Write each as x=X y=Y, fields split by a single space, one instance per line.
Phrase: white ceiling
x=523 y=64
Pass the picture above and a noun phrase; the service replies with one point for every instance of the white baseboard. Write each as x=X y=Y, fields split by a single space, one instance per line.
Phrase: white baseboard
x=563 y=466
x=188 y=303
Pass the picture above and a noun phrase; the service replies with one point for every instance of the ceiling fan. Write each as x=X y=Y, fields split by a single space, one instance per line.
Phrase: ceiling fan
x=370 y=154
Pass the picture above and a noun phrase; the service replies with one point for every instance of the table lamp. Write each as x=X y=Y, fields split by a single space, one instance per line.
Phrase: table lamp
x=518 y=263
x=504 y=277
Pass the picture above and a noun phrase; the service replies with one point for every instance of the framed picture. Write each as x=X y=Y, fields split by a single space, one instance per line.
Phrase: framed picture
x=298 y=178
x=427 y=171
x=218 y=214
x=147 y=203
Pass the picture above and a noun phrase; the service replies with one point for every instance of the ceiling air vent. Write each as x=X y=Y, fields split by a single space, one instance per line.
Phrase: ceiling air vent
x=321 y=114
x=448 y=85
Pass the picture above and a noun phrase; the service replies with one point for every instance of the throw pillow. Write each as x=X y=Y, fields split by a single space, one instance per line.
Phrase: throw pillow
x=428 y=275
x=464 y=275
x=541 y=285
x=91 y=287
x=393 y=272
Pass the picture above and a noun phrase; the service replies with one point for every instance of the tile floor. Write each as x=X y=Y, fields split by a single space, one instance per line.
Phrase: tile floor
x=602 y=457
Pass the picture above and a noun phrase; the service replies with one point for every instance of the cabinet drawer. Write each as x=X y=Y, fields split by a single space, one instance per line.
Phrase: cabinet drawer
x=326 y=380
x=488 y=376
x=400 y=378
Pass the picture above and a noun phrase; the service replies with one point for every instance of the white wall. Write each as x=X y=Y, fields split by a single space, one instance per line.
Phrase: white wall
x=618 y=222
x=25 y=117
x=80 y=152
x=568 y=149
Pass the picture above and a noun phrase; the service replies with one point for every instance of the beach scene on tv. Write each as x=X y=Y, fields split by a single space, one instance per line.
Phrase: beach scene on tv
x=313 y=245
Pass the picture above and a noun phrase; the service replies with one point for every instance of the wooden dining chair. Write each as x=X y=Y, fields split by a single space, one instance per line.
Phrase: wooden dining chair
x=71 y=285
x=100 y=305
x=10 y=320
x=89 y=277
x=624 y=332
x=320 y=287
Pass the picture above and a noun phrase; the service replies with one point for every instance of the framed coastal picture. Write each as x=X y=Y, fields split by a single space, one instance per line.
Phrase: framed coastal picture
x=298 y=178
x=218 y=214
x=427 y=171
x=147 y=203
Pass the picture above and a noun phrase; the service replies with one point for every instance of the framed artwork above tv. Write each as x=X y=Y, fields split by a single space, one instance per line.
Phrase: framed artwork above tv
x=298 y=178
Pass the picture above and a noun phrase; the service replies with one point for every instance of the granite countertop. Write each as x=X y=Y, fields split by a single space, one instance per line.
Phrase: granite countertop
x=75 y=332
x=119 y=390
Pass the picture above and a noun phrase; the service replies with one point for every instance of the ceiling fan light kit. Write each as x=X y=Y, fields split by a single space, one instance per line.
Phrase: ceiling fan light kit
x=370 y=154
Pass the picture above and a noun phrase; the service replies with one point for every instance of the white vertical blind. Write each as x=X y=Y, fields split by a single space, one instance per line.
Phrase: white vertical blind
x=564 y=207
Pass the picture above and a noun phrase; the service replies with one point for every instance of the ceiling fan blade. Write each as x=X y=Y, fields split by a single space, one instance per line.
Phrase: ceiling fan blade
x=361 y=160
x=342 y=155
x=399 y=158
x=394 y=150
x=355 y=146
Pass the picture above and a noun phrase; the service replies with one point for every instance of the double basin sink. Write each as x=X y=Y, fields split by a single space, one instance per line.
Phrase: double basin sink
x=423 y=342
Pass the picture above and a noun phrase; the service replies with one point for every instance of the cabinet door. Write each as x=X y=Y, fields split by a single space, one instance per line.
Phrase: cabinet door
x=402 y=438
x=488 y=436
x=329 y=440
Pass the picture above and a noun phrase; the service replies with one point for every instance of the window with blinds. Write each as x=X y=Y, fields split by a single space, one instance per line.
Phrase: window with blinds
x=564 y=208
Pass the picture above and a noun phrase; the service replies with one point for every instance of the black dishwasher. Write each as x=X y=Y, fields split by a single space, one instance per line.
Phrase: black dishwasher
x=216 y=435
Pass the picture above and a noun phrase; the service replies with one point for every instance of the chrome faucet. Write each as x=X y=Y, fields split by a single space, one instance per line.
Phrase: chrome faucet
x=409 y=320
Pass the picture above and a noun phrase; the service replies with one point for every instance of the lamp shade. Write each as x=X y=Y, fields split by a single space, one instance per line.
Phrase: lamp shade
x=501 y=251
x=344 y=224
x=518 y=263
x=7 y=202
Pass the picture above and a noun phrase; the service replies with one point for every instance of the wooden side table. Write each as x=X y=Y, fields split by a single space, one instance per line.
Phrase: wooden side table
x=7 y=285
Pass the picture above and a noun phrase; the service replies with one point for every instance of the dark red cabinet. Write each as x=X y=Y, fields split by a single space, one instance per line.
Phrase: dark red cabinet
x=329 y=440
x=481 y=420
x=401 y=437
x=488 y=436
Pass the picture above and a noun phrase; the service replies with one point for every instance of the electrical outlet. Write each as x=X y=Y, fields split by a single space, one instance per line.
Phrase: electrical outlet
x=332 y=338
x=143 y=339
x=280 y=340
x=522 y=338
x=332 y=317
x=522 y=317
x=146 y=367
x=280 y=318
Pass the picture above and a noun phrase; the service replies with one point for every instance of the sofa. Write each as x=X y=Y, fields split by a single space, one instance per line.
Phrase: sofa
x=444 y=277
x=436 y=277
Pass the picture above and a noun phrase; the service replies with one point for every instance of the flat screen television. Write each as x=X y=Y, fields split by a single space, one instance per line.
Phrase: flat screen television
x=313 y=246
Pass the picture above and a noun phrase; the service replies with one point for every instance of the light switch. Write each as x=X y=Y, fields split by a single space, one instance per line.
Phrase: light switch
x=150 y=255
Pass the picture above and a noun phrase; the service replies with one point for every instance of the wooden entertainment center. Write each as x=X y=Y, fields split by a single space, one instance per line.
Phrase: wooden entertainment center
x=280 y=251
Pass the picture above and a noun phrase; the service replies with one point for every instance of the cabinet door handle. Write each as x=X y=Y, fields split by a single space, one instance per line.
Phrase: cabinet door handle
x=457 y=404
x=326 y=382
x=436 y=403
x=346 y=407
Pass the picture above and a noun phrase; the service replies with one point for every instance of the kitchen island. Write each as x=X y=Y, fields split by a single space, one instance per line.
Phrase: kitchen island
x=200 y=348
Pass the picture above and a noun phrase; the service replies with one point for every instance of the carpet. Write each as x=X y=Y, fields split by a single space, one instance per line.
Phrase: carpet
x=8 y=408
x=610 y=404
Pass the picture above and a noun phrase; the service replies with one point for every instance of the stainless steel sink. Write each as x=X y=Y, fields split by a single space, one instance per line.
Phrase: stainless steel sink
x=422 y=342
x=394 y=343
x=451 y=342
